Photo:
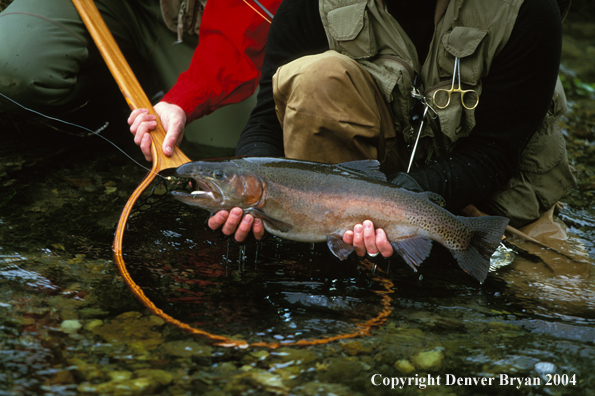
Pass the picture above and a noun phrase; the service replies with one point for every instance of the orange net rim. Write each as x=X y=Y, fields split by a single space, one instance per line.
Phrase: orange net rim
x=362 y=329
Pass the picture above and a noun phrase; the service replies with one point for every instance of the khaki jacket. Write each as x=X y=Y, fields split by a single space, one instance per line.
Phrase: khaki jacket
x=475 y=31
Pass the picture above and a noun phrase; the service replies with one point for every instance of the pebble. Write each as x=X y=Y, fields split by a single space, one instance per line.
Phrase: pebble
x=404 y=366
x=544 y=368
x=428 y=360
x=70 y=326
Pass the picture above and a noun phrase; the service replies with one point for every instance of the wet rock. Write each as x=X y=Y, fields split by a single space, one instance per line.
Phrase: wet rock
x=161 y=377
x=354 y=348
x=65 y=304
x=259 y=355
x=68 y=314
x=123 y=382
x=428 y=360
x=386 y=355
x=89 y=372
x=343 y=370
x=299 y=356
x=186 y=348
x=407 y=336
x=404 y=366
x=224 y=368
x=512 y=364
x=544 y=368
x=71 y=326
x=132 y=330
x=120 y=375
x=93 y=324
x=256 y=380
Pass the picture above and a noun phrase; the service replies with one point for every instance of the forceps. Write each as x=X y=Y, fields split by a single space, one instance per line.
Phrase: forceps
x=469 y=97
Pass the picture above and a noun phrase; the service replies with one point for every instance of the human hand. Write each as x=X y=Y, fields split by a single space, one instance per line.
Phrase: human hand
x=234 y=221
x=173 y=120
x=367 y=240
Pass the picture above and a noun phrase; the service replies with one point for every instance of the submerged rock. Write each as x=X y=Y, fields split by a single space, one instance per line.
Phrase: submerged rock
x=254 y=380
x=428 y=360
x=404 y=366
x=186 y=348
x=70 y=326
x=133 y=330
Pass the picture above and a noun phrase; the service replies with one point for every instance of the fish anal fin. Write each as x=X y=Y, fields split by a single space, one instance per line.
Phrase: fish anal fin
x=339 y=248
x=271 y=222
x=414 y=249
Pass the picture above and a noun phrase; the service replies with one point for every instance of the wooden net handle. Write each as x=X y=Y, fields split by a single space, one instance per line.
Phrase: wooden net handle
x=126 y=80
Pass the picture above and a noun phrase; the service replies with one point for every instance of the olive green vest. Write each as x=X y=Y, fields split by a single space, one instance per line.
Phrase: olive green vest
x=475 y=31
x=182 y=15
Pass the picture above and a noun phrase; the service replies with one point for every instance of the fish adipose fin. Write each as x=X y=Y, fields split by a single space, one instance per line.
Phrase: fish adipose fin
x=414 y=250
x=435 y=198
x=339 y=248
x=271 y=222
x=487 y=236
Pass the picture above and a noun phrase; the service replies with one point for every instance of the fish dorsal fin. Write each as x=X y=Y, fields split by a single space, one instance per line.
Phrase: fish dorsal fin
x=368 y=168
x=435 y=198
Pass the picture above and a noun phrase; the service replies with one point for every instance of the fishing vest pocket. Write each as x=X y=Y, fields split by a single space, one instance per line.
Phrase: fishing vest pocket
x=394 y=78
x=182 y=16
x=350 y=27
x=464 y=43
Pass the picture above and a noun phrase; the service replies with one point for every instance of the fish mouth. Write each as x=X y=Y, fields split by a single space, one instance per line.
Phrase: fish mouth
x=194 y=188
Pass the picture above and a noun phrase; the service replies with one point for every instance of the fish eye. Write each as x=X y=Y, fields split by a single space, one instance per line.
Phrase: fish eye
x=217 y=174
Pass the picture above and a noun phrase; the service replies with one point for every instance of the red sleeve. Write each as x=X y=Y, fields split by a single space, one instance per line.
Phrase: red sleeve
x=227 y=62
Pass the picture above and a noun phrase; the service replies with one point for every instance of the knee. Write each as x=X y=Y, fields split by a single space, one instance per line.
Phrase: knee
x=39 y=61
x=329 y=72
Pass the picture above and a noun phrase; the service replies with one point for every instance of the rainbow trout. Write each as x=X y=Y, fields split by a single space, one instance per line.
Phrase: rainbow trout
x=314 y=202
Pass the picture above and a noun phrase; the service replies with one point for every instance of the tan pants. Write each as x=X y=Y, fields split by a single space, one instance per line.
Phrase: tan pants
x=331 y=110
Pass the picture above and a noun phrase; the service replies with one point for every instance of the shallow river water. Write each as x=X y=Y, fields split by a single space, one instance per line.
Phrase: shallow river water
x=69 y=325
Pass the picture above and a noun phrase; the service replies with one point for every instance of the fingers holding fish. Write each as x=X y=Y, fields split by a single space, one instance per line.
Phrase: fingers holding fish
x=218 y=219
x=258 y=228
x=369 y=239
x=244 y=228
x=365 y=239
x=234 y=222
x=358 y=240
x=384 y=246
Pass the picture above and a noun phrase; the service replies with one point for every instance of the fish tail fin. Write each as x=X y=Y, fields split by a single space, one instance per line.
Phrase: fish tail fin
x=487 y=235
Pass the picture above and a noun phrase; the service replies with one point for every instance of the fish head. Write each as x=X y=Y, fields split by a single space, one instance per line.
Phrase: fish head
x=220 y=185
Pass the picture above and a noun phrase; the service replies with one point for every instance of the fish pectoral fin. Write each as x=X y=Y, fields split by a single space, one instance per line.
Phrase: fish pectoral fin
x=271 y=222
x=338 y=246
x=414 y=250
